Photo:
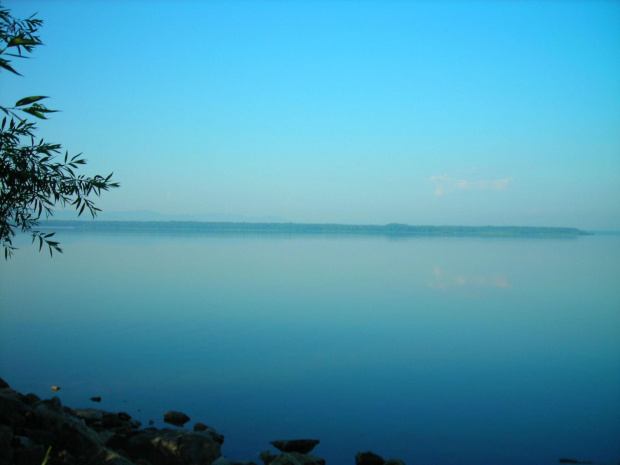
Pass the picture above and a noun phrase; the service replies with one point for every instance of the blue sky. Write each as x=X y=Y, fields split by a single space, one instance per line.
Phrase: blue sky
x=463 y=112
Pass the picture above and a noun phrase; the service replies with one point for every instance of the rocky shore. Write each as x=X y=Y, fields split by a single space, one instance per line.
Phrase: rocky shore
x=34 y=431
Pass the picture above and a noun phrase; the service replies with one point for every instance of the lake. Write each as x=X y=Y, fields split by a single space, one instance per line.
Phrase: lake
x=436 y=350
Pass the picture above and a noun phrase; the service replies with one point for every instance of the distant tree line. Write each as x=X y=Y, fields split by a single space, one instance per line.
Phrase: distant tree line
x=309 y=228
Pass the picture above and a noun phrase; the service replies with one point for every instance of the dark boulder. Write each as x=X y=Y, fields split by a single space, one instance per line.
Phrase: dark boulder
x=214 y=434
x=6 y=451
x=295 y=458
x=302 y=446
x=267 y=457
x=368 y=458
x=100 y=420
x=173 y=447
x=176 y=418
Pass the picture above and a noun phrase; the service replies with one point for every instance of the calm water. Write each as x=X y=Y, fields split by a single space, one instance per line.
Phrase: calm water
x=433 y=350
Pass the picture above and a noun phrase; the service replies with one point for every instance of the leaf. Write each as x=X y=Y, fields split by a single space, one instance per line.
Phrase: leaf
x=21 y=40
x=5 y=64
x=34 y=112
x=28 y=100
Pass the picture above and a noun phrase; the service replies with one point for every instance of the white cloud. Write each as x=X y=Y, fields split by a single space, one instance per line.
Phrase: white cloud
x=502 y=184
x=446 y=184
x=439 y=177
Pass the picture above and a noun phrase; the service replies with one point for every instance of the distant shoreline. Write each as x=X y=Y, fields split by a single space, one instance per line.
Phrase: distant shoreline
x=401 y=230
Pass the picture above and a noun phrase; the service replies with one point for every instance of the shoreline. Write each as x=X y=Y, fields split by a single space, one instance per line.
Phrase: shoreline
x=389 y=230
x=35 y=431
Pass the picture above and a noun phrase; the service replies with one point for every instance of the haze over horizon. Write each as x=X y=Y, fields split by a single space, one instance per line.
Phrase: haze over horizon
x=461 y=113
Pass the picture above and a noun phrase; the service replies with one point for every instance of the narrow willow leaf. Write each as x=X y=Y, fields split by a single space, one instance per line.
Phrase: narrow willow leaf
x=34 y=112
x=28 y=100
x=20 y=40
x=5 y=64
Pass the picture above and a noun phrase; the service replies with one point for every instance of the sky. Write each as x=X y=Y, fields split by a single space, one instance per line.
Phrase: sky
x=365 y=112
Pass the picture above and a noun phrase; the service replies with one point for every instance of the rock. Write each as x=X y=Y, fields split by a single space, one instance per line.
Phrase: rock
x=200 y=427
x=123 y=416
x=13 y=409
x=28 y=426
x=394 y=462
x=267 y=457
x=368 y=458
x=295 y=458
x=6 y=451
x=101 y=420
x=4 y=384
x=222 y=461
x=109 y=457
x=31 y=399
x=90 y=416
x=173 y=447
x=176 y=418
x=27 y=452
x=302 y=446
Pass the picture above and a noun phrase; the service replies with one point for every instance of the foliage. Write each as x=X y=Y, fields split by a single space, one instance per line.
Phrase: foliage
x=46 y=459
x=32 y=179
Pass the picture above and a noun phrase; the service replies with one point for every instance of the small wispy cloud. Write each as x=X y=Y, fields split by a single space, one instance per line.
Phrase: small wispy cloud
x=446 y=184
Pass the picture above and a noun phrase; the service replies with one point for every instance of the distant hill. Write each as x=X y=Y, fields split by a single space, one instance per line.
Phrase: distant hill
x=147 y=215
x=297 y=228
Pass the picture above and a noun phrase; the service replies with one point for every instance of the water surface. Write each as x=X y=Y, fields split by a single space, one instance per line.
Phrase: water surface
x=433 y=350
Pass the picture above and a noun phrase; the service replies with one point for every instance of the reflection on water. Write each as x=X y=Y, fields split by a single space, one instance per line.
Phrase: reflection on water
x=444 y=281
x=434 y=350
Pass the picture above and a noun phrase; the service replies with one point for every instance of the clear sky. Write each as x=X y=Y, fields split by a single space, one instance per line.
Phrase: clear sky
x=437 y=112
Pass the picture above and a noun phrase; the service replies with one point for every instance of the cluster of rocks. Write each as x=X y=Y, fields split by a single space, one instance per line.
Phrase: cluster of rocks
x=29 y=426
x=34 y=431
x=297 y=452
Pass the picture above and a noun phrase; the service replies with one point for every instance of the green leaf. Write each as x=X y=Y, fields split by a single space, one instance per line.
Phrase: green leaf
x=34 y=112
x=37 y=107
x=28 y=100
x=21 y=40
x=5 y=64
